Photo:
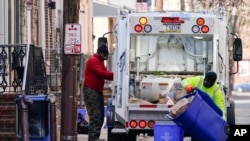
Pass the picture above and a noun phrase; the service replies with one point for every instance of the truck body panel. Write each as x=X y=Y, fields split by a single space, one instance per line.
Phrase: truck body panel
x=155 y=51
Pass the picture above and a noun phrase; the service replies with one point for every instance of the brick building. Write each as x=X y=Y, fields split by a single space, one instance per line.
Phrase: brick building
x=14 y=30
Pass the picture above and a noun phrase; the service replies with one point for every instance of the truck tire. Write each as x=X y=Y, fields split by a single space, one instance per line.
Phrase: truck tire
x=231 y=113
x=227 y=129
x=132 y=135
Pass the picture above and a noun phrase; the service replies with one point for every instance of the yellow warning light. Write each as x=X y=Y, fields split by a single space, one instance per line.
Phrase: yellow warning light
x=143 y=20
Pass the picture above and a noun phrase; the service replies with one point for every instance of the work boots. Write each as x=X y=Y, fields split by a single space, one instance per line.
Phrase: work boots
x=99 y=140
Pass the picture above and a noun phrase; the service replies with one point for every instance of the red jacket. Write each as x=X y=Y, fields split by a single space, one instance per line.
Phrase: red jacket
x=95 y=74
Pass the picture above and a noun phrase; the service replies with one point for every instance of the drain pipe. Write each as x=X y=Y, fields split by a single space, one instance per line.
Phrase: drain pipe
x=42 y=27
x=52 y=106
x=23 y=105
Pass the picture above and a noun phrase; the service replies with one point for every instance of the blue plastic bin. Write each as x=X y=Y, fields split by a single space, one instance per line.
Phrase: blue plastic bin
x=83 y=114
x=105 y=117
x=201 y=120
x=168 y=132
x=38 y=118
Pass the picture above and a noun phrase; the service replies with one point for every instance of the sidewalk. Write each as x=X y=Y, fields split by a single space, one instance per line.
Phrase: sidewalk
x=240 y=96
x=84 y=137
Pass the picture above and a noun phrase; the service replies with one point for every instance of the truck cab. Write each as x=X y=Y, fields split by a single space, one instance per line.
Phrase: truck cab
x=154 y=52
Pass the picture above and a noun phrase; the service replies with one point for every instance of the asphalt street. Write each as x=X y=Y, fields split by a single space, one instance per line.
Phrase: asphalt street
x=242 y=111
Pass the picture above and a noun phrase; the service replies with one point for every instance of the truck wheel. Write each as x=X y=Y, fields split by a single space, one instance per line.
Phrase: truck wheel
x=227 y=129
x=231 y=113
x=110 y=137
x=132 y=135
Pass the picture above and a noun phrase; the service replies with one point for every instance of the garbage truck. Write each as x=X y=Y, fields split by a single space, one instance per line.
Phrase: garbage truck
x=154 y=51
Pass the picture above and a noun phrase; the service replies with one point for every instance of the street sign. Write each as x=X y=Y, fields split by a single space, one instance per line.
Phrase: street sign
x=72 y=41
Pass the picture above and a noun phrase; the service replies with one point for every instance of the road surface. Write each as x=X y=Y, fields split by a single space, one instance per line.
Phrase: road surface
x=242 y=112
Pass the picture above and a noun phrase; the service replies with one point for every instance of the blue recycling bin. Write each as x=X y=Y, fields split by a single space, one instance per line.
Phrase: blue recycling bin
x=202 y=119
x=168 y=131
x=38 y=118
x=82 y=113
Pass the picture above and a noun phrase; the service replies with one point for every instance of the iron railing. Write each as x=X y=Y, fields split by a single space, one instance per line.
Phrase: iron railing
x=21 y=71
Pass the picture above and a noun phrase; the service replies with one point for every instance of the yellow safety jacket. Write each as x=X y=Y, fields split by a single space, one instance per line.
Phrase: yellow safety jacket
x=214 y=92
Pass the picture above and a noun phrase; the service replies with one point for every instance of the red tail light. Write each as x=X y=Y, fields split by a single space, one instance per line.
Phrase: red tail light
x=142 y=124
x=171 y=20
x=138 y=28
x=133 y=124
x=204 y=29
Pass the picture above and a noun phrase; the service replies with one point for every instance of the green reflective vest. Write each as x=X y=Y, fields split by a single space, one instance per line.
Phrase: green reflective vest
x=214 y=92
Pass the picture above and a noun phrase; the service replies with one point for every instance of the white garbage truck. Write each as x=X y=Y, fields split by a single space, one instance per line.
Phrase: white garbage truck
x=154 y=52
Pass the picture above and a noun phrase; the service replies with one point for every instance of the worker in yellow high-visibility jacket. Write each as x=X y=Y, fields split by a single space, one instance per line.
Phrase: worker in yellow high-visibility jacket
x=208 y=85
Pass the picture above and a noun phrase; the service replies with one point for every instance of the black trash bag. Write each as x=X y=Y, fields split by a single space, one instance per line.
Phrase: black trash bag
x=82 y=125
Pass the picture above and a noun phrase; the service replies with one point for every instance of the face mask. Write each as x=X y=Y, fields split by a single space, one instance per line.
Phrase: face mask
x=207 y=84
x=104 y=56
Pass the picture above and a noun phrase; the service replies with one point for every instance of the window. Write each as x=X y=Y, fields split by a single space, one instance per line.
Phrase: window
x=244 y=68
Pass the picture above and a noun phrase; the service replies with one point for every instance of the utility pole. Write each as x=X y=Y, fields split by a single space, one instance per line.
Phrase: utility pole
x=69 y=78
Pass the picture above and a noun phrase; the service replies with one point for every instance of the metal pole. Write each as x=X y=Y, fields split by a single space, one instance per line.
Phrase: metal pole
x=52 y=106
x=23 y=106
x=42 y=27
x=25 y=100
x=81 y=79
x=29 y=7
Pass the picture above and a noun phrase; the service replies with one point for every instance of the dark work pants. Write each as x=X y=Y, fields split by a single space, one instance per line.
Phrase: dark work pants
x=94 y=102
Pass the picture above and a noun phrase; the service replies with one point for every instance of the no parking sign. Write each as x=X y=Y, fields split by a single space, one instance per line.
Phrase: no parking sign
x=72 y=41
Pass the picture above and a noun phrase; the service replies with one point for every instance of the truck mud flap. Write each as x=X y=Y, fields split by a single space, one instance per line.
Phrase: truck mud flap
x=231 y=113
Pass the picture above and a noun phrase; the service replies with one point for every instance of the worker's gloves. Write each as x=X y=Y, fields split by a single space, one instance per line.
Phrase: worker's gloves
x=189 y=88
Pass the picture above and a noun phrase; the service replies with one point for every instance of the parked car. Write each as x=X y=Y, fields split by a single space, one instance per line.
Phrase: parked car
x=244 y=87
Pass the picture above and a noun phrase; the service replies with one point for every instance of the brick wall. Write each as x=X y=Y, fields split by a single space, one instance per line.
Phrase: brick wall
x=7 y=117
x=36 y=32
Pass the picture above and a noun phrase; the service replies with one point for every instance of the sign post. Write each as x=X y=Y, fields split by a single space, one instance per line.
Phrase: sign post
x=72 y=41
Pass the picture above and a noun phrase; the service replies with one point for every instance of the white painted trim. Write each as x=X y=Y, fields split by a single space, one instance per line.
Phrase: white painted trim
x=104 y=10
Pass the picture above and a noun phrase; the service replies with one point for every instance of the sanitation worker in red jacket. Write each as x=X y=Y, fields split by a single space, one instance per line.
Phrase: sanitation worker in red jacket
x=94 y=77
x=208 y=85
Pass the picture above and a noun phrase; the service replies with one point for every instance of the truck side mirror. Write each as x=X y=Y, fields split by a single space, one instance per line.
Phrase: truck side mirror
x=237 y=49
x=102 y=40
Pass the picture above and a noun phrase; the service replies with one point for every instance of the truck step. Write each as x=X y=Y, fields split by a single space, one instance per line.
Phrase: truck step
x=119 y=131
